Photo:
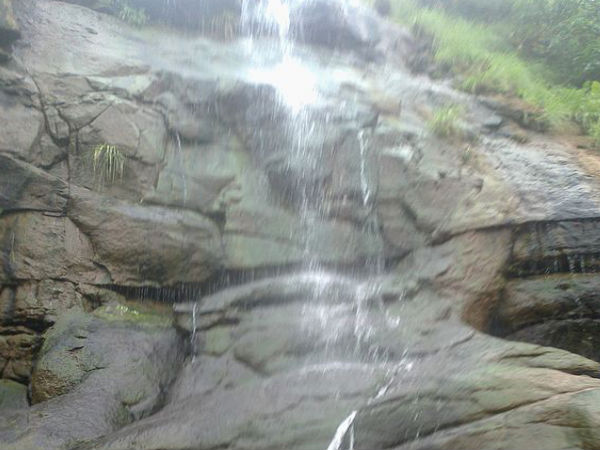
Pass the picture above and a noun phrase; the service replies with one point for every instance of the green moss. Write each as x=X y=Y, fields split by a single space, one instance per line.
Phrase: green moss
x=217 y=340
x=136 y=313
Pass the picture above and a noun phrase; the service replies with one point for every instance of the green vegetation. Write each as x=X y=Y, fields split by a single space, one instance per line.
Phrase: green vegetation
x=128 y=13
x=563 y=34
x=444 y=122
x=108 y=163
x=545 y=52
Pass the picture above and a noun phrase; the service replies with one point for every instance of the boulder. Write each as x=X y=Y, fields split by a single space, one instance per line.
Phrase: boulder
x=333 y=23
x=21 y=122
x=192 y=14
x=37 y=305
x=38 y=247
x=18 y=346
x=23 y=187
x=99 y=372
x=198 y=177
x=151 y=245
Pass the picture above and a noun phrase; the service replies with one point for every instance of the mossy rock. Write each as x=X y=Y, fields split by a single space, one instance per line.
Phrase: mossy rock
x=64 y=359
x=217 y=341
x=147 y=314
x=12 y=395
x=80 y=344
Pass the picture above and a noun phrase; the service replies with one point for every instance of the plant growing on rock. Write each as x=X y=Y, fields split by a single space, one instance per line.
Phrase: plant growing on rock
x=444 y=122
x=543 y=52
x=108 y=164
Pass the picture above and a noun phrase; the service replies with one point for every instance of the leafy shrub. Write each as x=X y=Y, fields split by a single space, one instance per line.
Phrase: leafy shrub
x=562 y=33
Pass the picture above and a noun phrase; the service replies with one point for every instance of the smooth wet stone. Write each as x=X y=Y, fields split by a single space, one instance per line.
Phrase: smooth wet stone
x=26 y=187
x=13 y=396
x=156 y=244
x=47 y=247
x=96 y=373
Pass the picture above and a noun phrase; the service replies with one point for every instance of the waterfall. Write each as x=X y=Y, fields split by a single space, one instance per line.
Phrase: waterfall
x=342 y=318
x=181 y=163
x=347 y=426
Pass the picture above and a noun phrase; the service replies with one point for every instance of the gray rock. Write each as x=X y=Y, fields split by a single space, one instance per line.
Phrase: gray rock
x=297 y=397
x=262 y=237
x=38 y=304
x=13 y=396
x=100 y=372
x=335 y=24
x=22 y=124
x=38 y=247
x=18 y=345
x=198 y=177
x=147 y=244
x=24 y=187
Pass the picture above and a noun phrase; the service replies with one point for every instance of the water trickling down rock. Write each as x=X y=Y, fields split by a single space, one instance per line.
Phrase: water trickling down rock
x=337 y=269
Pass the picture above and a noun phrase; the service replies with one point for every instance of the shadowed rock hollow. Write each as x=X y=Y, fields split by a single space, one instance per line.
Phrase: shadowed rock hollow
x=342 y=277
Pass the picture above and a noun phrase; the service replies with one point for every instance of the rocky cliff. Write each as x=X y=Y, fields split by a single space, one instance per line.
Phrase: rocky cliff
x=146 y=167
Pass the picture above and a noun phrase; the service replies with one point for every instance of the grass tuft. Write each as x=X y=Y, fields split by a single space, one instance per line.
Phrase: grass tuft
x=445 y=122
x=108 y=164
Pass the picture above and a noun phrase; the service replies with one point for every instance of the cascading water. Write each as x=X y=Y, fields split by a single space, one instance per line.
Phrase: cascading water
x=347 y=263
x=181 y=164
x=340 y=313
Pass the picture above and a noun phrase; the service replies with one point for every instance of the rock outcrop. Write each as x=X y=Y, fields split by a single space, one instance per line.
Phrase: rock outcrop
x=342 y=273
x=9 y=30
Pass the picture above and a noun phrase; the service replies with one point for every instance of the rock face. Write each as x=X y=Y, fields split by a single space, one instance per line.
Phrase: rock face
x=101 y=371
x=9 y=30
x=343 y=274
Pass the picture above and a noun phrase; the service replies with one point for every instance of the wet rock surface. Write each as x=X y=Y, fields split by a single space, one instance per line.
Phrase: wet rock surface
x=101 y=371
x=450 y=298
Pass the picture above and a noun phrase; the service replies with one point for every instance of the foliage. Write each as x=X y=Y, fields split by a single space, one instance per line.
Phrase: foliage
x=128 y=13
x=561 y=33
x=586 y=105
x=108 y=163
x=444 y=122
x=488 y=55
